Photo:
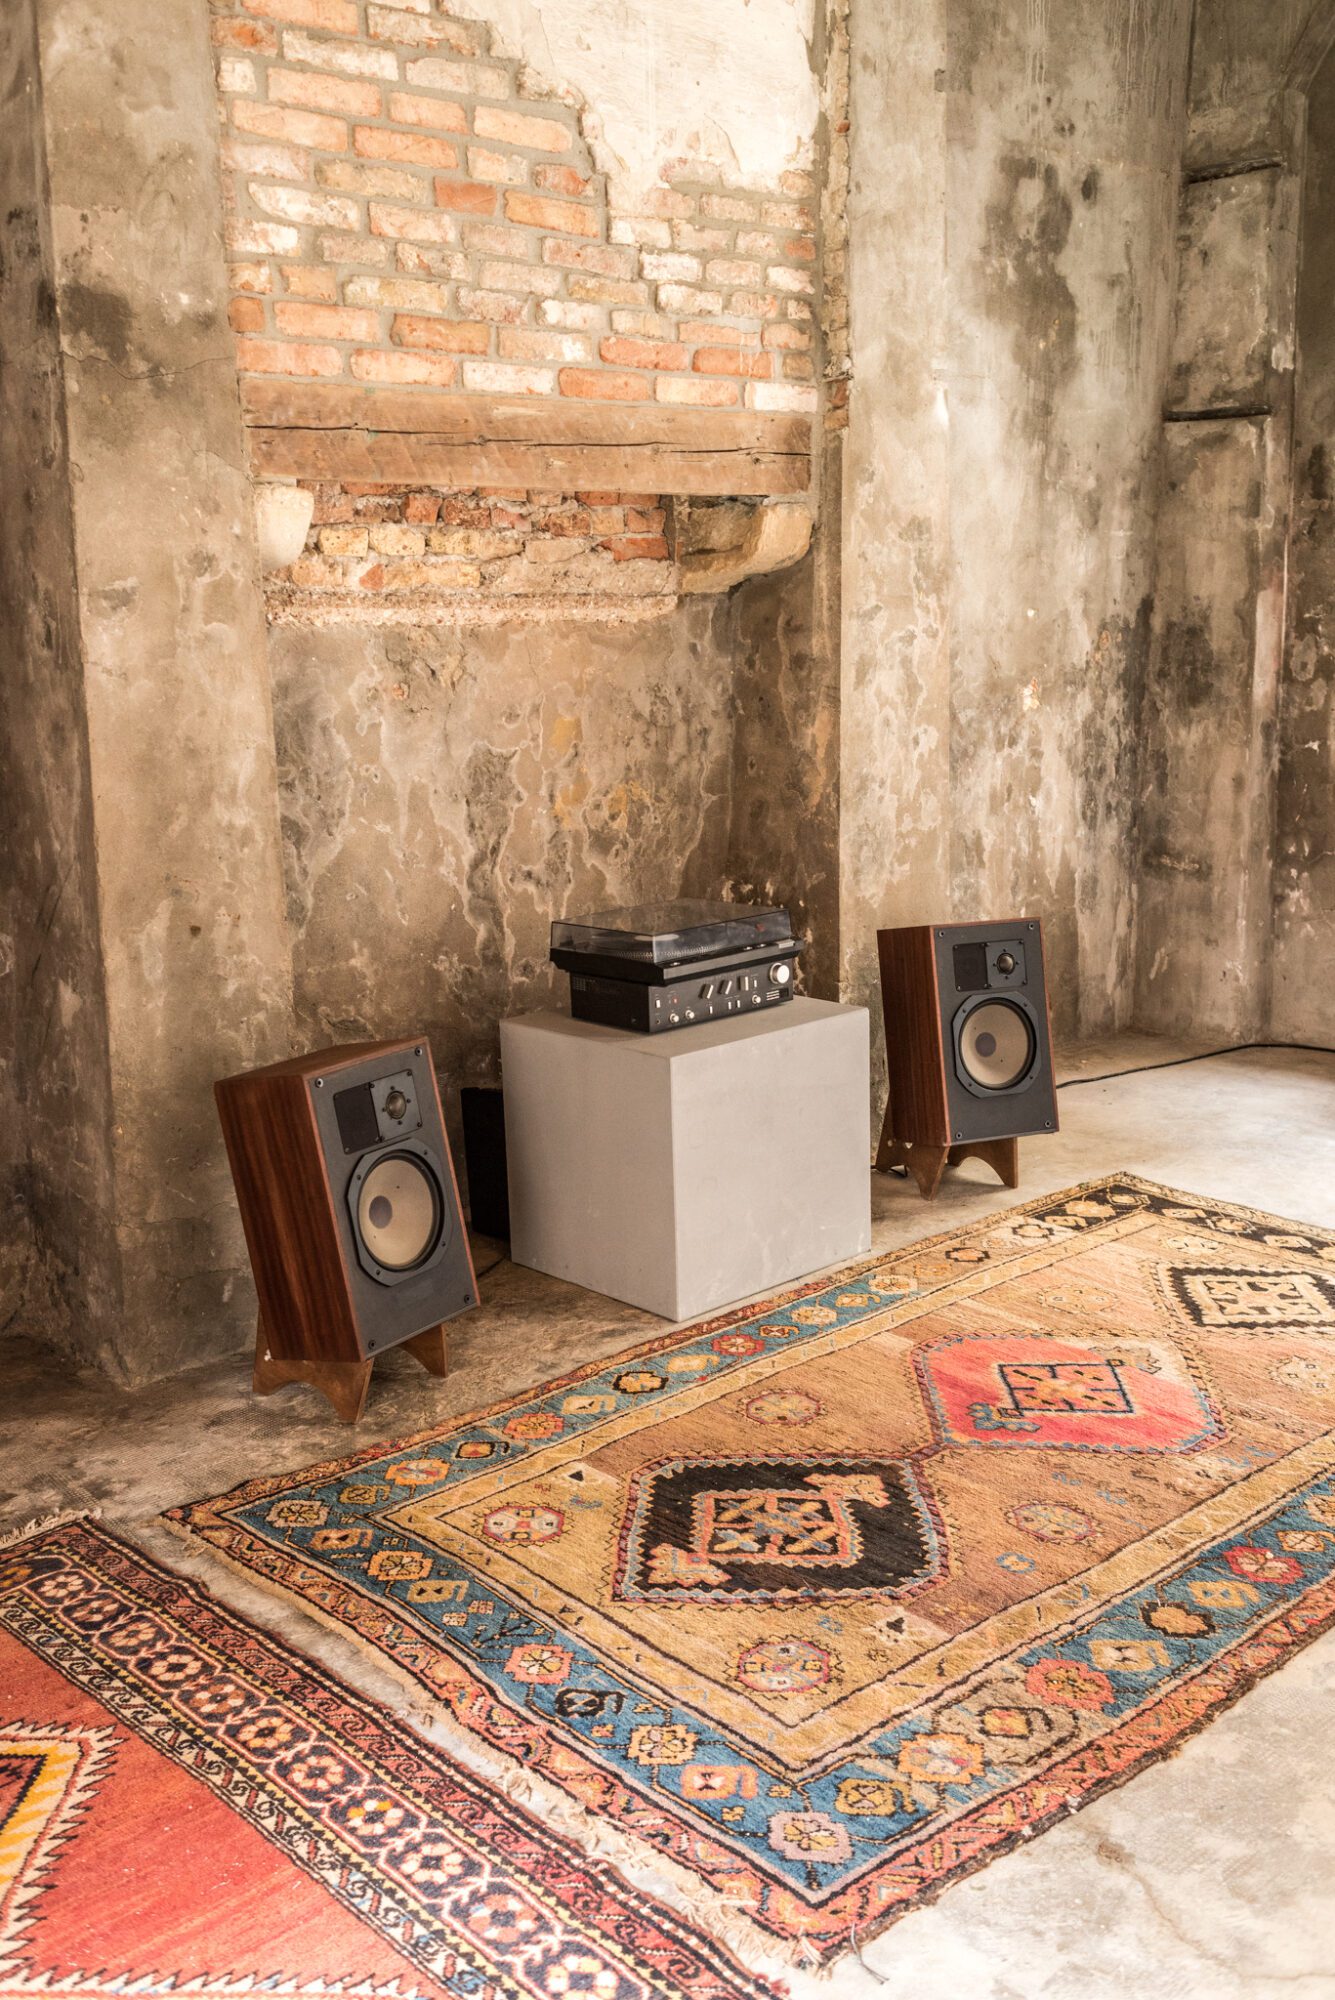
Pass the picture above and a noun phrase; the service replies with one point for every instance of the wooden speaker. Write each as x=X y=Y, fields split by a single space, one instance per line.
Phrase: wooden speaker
x=969 y=1045
x=348 y=1198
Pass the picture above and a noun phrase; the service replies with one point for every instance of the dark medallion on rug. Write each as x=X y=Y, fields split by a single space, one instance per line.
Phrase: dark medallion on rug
x=775 y=1529
x=1252 y=1301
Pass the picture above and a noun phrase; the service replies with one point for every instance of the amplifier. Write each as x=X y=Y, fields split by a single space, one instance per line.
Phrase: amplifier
x=709 y=990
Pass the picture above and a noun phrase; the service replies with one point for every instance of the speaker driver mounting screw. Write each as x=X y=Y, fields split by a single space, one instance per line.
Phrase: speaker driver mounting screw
x=319 y=1083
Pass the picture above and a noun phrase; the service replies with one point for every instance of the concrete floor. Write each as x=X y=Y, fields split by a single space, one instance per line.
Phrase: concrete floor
x=1209 y=1877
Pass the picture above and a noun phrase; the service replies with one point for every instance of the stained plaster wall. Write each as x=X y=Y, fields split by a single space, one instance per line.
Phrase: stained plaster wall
x=1208 y=958
x=1011 y=224
x=56 y=1170
x=446 y=792
x=1303 y=948
x=147 y=844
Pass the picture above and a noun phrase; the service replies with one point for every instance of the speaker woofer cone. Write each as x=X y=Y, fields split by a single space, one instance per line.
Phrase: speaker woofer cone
x=997 y=1046
x=399 y=1212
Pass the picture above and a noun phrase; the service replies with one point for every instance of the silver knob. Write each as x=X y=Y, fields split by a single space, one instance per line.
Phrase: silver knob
x=781 y=973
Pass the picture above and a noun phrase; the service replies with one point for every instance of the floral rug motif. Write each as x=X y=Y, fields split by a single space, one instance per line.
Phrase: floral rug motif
x=827 y=1602
x=188 y=1806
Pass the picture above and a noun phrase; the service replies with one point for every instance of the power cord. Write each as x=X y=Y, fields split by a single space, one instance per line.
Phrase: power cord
x=1176 y=1062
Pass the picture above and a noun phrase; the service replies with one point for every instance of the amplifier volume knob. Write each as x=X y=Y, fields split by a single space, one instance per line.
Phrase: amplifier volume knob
x=781 y=973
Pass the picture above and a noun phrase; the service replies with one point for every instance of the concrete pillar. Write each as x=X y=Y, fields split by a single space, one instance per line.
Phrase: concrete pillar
x=194 y=961
x=894 y=695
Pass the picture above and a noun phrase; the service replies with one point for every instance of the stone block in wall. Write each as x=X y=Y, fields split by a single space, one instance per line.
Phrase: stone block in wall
x=1227 y=344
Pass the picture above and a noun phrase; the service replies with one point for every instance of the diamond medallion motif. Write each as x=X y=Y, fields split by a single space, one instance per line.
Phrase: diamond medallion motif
x=771 y=1530
x=1255 y=1301
x=1021 y=1389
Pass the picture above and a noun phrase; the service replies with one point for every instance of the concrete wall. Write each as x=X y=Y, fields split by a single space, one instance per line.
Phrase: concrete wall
x=447 y=793
x=1011 y=217
x=1303 y=960
x=56 y=1176
x=1205 y=959
x=147 y=884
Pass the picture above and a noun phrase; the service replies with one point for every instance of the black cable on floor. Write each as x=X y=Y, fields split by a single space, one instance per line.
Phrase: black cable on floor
x=1176 y=1062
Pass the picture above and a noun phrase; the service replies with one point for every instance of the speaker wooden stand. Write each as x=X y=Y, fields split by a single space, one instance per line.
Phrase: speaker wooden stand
x=343 y=1383
x=928 y=1164
x=348 y=1199
x=969 y=1047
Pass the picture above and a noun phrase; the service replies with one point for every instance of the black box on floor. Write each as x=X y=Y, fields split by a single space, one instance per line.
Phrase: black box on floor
x=484 y=1161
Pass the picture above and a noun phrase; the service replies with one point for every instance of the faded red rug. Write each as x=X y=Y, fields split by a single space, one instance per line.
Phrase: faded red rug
x=828 y=1601
x=187 y=1805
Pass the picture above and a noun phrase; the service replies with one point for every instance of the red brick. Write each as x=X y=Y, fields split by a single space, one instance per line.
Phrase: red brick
x=250 y=277
x=644 y=520
x=324 y=93
x=336 y=17
x=375 y=365
x=351 y=177
x=287 y=357
x=451 y=336
x=562 y=521
x=428 y=260
x=799 y=368
x=371 y=143
x=466 y=197
x=246 y=315
x=802 y=249
x=405 y=109
x=795 y=338
x=636 y=548
x=499 y=307
x=709 y=392
x=518 y=128
x=392 y=24
x=608 y=291
x=355 y=61
x=729 y=271
x=728 y=207
x=603 y=384
x=244 y=35
x=541 y=212
x=317 y=322
x=506 y=169
x=731 y=361
x=298 y=128
x=607 y=259
x=280 y=163
x=626 y=353
x=707 y=333
x=417 y=225
x=563 y=180
x=307 y=281
x=522 y=344
x=421 y=507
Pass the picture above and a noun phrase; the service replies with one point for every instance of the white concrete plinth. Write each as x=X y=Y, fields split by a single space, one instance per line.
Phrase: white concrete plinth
x=683 y=1171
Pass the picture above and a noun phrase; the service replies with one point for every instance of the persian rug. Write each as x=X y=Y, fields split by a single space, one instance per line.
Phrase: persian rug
x=830 y=1601
x=187 y=1805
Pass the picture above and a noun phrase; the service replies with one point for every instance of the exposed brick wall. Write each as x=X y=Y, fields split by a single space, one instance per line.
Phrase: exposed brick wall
x=380 y=553
x=405 y=206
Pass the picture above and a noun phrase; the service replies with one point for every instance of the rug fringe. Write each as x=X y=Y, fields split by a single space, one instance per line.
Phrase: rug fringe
x=41 y=1524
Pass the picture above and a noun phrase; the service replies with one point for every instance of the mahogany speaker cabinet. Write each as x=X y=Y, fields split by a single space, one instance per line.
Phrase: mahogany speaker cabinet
x=348 y=1198
x=969 y=1046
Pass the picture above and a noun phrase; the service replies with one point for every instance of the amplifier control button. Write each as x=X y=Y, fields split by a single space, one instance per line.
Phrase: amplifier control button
x=781 y=973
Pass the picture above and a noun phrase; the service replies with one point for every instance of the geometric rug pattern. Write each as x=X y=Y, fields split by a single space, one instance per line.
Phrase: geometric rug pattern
x=825 y=1602
x=188 y=1806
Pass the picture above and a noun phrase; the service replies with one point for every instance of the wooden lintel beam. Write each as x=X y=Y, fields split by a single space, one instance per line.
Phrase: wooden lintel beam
x=541 y=420
x=430 y=460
